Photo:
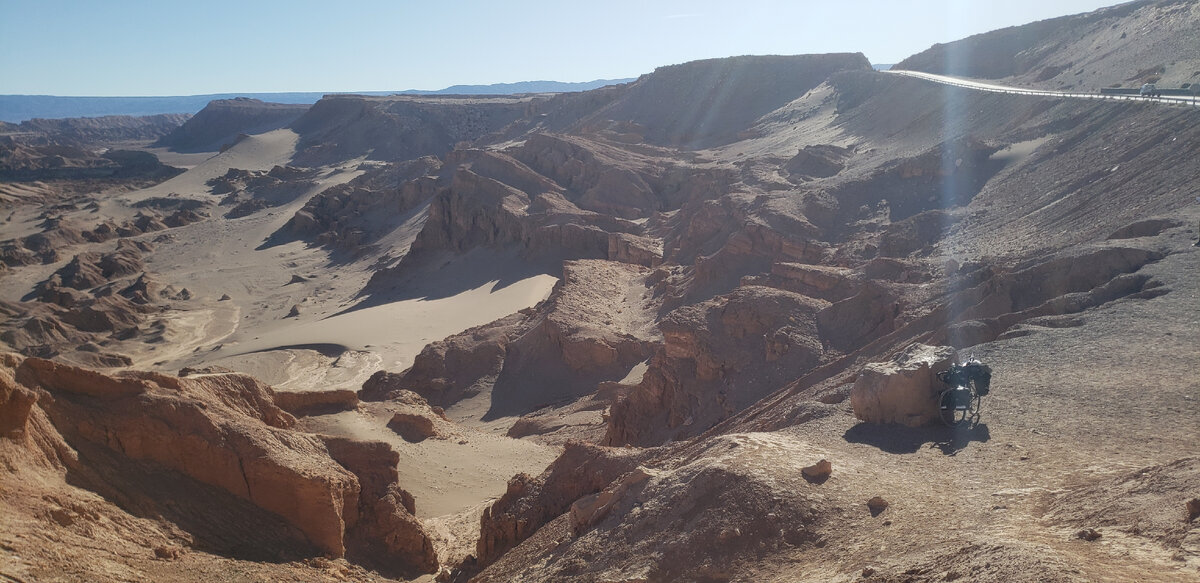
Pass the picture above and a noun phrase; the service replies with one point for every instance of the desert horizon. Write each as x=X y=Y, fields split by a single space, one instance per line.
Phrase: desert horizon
x=768 y=317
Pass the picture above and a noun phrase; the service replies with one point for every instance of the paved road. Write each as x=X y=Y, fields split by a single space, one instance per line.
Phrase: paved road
x=957 y=82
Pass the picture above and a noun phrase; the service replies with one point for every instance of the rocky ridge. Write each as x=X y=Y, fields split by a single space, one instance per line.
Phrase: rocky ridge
x=726 y=290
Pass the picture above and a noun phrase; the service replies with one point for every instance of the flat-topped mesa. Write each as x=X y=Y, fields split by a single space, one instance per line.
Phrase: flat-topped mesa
x=400 y=127
x=222 y=120
x=106 y=129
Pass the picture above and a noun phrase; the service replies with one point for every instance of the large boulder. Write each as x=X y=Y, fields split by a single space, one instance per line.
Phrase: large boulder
x=902 y=390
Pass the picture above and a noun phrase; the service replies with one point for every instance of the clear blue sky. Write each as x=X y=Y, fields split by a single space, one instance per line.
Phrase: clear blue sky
x=187 y=47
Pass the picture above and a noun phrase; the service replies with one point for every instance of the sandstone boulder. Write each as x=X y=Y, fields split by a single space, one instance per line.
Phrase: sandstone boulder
x=903 y=390
x=413 y=427
x=818 y=472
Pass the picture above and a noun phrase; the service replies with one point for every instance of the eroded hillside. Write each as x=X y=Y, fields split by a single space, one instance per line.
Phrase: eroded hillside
x=608 y=336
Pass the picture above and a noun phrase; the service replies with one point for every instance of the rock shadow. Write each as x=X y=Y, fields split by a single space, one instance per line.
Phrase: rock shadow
x=215 y=520
x=453 y=275
x=901 y=439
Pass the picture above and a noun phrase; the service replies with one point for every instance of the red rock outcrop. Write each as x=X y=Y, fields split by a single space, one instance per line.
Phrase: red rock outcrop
x=90 y=269
x=16 y=404
x=596 y=178
x=105 y=129
x=719 y=357
x=454 y=368
x=27 y=438
x=384 y=530
x=221 y=430
x=248 y=192
x=415 y=420
x=595 y=326
x=692 y=520
x=300 y=403
x=820 y=161
x=854 y=321
x=531 y=502
x=817 y=281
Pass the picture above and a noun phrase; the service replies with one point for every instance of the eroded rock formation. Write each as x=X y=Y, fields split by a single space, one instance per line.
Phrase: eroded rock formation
x=717 y=358
x=224 y=431
x=531 y=501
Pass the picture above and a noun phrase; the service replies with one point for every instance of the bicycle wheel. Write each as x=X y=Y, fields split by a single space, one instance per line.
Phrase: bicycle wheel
x=956 y=405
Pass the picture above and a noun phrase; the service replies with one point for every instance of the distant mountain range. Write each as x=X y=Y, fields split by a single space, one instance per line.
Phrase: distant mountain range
x=18 y=108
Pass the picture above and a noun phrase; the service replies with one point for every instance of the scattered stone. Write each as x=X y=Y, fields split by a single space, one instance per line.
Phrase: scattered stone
x=294 y=312
x=166 y=552
x=868 y=571
x=1193 y=509
x=413 y=428
x=818 y=472
x=1088 y=534
x=224 y=298
x=297 y=279
x=877 y=505
x=62 y=516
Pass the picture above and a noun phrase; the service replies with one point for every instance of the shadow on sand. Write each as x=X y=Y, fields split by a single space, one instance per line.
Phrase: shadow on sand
x=902 y=439
x=449 y=275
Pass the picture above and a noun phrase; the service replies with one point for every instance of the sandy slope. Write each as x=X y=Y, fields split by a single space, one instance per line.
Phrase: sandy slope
x=446 y=476
x=329 y=344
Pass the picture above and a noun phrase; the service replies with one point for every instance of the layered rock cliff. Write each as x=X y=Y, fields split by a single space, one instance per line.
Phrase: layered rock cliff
x=223 y=120
x=225 y=432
